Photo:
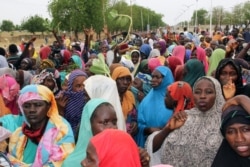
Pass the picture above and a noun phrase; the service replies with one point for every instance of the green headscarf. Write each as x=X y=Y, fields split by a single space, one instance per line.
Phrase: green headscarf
x=85 y=133
x=216 y=57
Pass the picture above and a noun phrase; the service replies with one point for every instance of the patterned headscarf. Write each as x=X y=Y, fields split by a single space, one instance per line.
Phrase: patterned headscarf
x=57 y=141
x=73 y=108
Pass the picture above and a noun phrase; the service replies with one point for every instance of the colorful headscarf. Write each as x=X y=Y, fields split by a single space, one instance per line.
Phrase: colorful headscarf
x=194 y=70
x=180 y=52
x=178 y=74
x=145 y=49
x=39 y=79
x=85 y=133
x=163 y=49
x=9 y=90
x=216 y=57
x=153 y=63
x=57 y=141
x=47 y=63
x=182 y=93
x=108 y=145
x=201 y=55
x=73 y=108
x=45 y=52
x=128 y=100
x=66 y=56
x=173 y=62
x=77 y=60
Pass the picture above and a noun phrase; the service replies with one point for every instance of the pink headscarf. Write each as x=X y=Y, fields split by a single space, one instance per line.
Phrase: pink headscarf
x=201 y=55
x=153 y=63
x=44 y=52
x=9 y=90
x=180 y=52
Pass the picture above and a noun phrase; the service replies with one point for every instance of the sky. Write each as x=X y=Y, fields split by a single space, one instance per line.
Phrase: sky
x=174 y=11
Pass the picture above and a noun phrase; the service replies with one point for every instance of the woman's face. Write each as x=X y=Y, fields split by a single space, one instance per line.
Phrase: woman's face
x=135 y=57
x=137 y=83
x=36 y=112
x=238 y=137
x=208 y=52
x=49 y=82
x=193 y=54
x=226 y=73
x=156 y=78
x=123 y=83
x=204 y=95
x=24 y=65
x=104 y=117
x=91 y=159
x=78 y=84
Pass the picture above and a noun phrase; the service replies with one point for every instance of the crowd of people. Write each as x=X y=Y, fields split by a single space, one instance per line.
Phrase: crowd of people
x=158 y=99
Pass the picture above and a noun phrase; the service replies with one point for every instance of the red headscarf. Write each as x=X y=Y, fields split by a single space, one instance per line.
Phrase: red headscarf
x=173 y=62
x=180 y=52
x=116 y=148
x=201 y=55
x=182 y=93
x=178 y=73
x=44 y=52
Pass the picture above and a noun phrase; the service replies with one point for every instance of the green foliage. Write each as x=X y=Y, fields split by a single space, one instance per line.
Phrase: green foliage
x=201 y=16
x=99 y=66
x=34 y=24
x=7 y=25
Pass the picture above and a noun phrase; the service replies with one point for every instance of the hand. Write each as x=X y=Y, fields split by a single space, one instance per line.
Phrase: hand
x=241 y=100
x=177 y=120
x=32 y=39
x=144 y=157
x=229 y=89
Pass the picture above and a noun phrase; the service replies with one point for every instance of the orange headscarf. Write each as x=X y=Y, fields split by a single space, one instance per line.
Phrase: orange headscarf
x=128 y=100
x=182 y=93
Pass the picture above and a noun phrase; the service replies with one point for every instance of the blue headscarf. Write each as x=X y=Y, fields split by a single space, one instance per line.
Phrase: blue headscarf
x=152 y=111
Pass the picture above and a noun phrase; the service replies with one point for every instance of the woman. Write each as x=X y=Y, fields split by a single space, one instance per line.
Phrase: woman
x=235 y=147
x=97 y=116
x=136 y=59
x=45 y=138
x=228 y=73
x=179 y=52
x=191 y=139
x=9 y=90
x=50 y=78
x=200 y=54
x=179 y=96
x=216 y=57
x=99 y=86
x=75 y=96
x=123 y=79
x=152 y=113
x=193 y=70
x=111 y=155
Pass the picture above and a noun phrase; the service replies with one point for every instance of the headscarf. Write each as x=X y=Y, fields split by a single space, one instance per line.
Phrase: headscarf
x=146 y=79
x=128 y=100
x=178 y=74
x=57 y=141
x=152 y=111
x=187 y=55
x=180 y=52
x=77 y=60
x=154 y=53
x=85 y=133
x=9 y=90
x=145 y=49
x=200 y=135
x=173 y=62
x=108 y=145
x=163 y=49
x=44 y=52
x=39 y=79
x=153 y=63
x=170 y=49
x=47 y=63
x=226 y=156
x=66 y=56
x=73 y=108
x=24 y=77
x=143 y=64
x=195 y=70
x=138 y=63
x=29 y=63
x=99 y=86
x=201 y=55
x=216 y=57
x=182 y=93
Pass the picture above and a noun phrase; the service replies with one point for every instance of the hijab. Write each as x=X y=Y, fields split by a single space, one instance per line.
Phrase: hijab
x=115 y=146
x=216 y=57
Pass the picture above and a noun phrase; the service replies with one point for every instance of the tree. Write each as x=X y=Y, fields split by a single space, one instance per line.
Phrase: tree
x=7 y=25
x=201 y=16
x=34 y=24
